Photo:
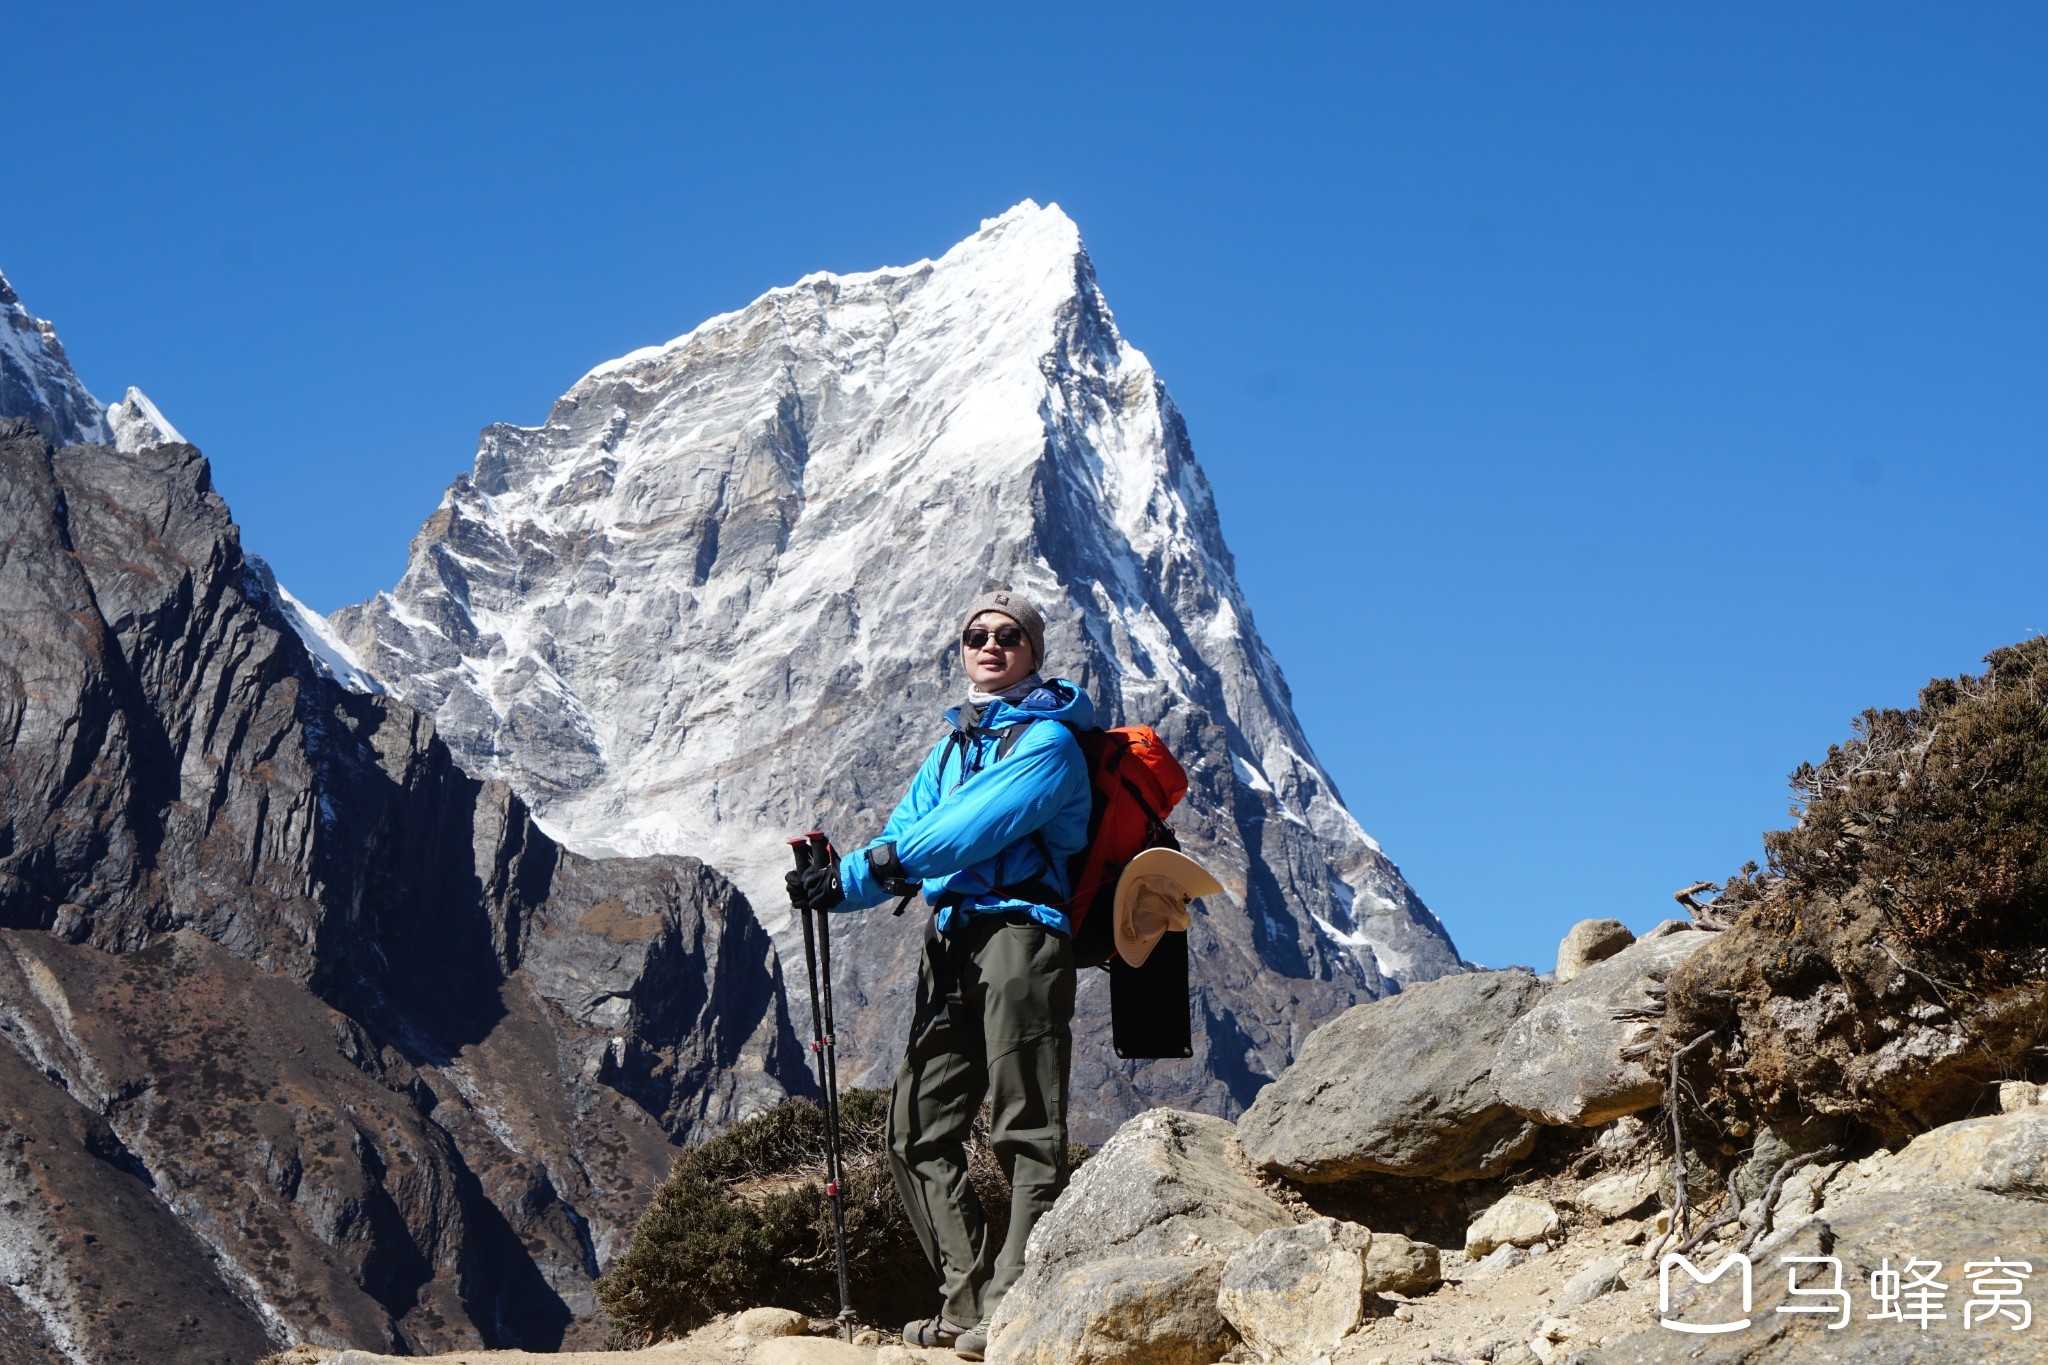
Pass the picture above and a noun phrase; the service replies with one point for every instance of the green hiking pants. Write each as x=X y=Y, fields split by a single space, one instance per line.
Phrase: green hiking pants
x=995 y=1015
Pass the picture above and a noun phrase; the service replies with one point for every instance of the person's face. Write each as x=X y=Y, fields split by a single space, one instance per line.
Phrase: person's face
x=994 y=666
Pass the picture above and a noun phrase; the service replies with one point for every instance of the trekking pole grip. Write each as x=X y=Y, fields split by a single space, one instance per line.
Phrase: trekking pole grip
x=802 y=850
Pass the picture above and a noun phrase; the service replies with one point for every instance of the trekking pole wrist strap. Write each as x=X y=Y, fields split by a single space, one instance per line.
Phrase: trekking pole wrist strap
x=888 y=871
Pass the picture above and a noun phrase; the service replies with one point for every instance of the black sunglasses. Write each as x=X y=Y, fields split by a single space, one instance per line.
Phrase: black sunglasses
x=1009 y=637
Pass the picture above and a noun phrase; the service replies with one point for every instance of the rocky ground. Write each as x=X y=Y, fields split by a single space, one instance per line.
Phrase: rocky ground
x=1384 y=1204
x=1482 y=1169
x=1575 y=1284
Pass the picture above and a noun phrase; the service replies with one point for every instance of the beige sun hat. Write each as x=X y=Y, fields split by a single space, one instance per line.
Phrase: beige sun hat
x=1152 y=897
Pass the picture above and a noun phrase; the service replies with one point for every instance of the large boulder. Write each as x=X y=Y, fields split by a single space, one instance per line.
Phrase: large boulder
x=1295 y=1292
x=1580 y=1057
x=1401 y=1086
x=1126 y=1266
x=1401 y=1265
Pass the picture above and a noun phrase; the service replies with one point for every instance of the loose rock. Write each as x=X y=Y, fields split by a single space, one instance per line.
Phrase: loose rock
x=2003 y=1154
x=760 y=1324
x=1617 y=1196
x=1397 y=1265
x=1515 y=1220
x=2014 y=1095
x=1126 y=1266
x=1497 y=1260
x=1549 y=1343
x=1601 y=1277
x=1296 y=1291
x=1590 y=941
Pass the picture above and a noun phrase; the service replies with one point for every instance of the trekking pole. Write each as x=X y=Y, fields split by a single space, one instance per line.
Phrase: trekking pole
x=813 y=851
x=821 y=852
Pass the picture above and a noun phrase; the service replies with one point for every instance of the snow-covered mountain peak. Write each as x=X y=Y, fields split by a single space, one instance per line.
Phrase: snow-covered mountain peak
x=37 y=382
x=710 y=601
x=1027 y=261
x=137 y=425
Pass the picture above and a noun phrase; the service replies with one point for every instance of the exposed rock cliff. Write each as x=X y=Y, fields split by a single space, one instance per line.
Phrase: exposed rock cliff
x=306 y=1032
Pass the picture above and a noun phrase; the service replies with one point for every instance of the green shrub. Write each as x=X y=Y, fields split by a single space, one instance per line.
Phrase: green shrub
x=743 y=1221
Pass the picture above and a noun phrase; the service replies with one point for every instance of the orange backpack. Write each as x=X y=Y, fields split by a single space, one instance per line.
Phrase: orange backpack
x=1135 y=783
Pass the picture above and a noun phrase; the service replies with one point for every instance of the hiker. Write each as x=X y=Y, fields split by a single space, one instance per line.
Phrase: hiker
x=985 y=830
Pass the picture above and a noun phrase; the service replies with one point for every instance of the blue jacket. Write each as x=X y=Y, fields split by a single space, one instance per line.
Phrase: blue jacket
x=966 y=828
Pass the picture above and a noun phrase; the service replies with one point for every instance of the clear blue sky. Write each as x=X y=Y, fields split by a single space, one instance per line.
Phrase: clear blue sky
x=1605 y=401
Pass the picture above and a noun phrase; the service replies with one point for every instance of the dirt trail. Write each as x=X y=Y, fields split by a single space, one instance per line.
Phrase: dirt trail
x=760 y=1336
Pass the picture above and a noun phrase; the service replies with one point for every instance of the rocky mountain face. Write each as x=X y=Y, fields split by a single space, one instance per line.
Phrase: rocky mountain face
x=711 y=601
x=305 y=1032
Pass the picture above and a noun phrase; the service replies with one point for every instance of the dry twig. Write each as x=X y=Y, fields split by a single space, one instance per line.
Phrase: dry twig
x=1763 y=1218
x=1703 y=916
x=1938 y=992
x=1681 y=1200
x=1709 y=1229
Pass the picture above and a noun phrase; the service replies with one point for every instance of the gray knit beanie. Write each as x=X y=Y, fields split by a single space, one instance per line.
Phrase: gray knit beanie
x=1018 y=608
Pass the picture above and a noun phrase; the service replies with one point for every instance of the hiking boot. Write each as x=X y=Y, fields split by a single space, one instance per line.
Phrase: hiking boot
x=972 y=1344
x=936 y=1330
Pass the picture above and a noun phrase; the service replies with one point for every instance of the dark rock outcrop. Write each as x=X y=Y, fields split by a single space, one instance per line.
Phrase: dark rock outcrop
x=400 y=1070
x=100 y=1268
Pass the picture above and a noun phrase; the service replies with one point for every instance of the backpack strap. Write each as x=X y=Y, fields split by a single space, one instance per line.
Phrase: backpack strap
x=1010 y=734
x=965 y=732
x=966 y=729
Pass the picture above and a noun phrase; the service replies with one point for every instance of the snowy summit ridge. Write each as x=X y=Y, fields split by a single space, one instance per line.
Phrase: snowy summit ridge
x=37 y=382
x=712 y=599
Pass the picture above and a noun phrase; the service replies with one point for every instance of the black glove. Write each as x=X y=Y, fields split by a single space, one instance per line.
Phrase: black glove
x=815 y=888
